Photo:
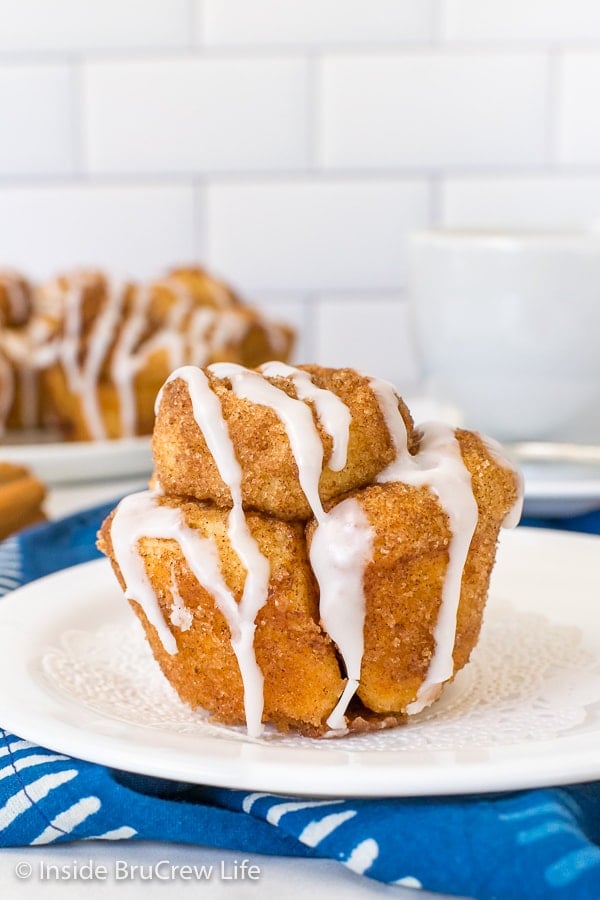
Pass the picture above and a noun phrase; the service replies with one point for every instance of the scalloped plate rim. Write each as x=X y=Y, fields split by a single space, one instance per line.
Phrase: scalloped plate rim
x=28 y=625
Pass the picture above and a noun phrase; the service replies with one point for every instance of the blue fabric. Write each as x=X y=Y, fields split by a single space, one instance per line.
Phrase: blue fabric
x=542 y=843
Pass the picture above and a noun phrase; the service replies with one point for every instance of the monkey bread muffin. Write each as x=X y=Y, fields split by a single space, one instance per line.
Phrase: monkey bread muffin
x=87 y=353
x=22 y=400
x=307 y=557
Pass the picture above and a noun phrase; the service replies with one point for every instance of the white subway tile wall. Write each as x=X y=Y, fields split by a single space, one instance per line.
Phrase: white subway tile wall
x=312 y=22
x=132 y=229
x=36 y=116
x=543 y=201
x=71 y=26
x=432 y=109
x=313 y=235
x=579 y=104
x=341 y=324
x=195 y=115
x=293 y=145
x=554 y=21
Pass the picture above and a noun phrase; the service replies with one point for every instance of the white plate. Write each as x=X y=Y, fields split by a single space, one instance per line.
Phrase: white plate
x=525 y=712
x=67 y=462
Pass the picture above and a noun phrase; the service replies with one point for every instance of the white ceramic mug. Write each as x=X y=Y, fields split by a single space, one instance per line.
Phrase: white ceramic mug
x=507 y=326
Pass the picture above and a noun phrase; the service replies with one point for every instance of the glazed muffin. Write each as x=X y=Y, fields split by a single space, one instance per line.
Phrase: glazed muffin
x=111 y=345
x=254 y=406
x=24 y=354
x=339 y=588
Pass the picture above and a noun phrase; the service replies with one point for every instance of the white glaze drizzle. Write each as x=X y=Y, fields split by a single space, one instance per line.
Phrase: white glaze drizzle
x=339 y=570
x=439 y=466
x=83 y=376
x=342 y=543
x=19 y=346
x=18 y=299
x=241 y=618
x=276 y=336
x=297 y=418
x=38 y=344
x=230 y=327
x=170 y=337
x=181 y=345
x=333 y=414
x=340 y=549
x=130 y=355
x=125 y=363
x=26 y=350
x=181 y=617
x=141 y=516
x=190 y=334
x=199 y=329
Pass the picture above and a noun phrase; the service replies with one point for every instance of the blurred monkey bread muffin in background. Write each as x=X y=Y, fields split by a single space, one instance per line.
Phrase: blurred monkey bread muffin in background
x=92 y=352
x=307 y=557
x=22 y=399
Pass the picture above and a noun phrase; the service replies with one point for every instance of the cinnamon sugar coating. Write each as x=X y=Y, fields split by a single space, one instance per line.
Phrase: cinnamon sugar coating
x=403 y=580
x=88 y=353
x=298 y=661
x=270 y=478
x=23 y=398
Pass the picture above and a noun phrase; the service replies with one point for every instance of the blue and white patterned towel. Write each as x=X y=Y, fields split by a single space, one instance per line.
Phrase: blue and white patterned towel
x=528 y=844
